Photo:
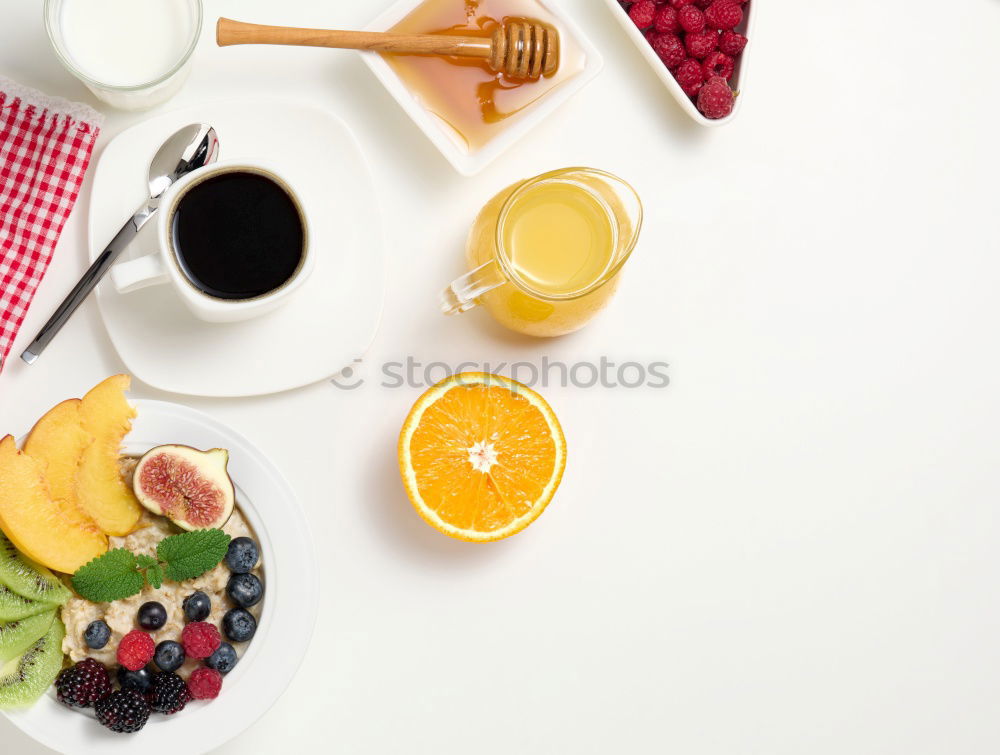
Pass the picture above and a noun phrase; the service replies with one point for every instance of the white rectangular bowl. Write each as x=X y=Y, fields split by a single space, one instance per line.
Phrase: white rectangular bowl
x=465 y=162
x=738 y=82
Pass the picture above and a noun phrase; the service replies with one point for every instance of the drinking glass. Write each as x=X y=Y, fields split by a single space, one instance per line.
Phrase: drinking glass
x=138 y=96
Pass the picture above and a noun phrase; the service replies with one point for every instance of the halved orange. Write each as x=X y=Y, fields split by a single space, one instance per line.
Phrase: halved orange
x=481 y=456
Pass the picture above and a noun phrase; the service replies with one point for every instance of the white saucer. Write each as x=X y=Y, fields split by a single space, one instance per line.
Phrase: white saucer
x=329 y=323
x=287 y=618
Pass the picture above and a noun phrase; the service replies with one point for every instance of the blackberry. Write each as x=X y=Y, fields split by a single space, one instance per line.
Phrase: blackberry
x=124 y=711
x=169 y=693
x=140 y=680
x=242 y=555
x=83 y=684
x=97 y=634
x=224 y=659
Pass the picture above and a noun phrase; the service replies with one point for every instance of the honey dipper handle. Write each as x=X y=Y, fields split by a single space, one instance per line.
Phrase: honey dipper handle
x=229 y=32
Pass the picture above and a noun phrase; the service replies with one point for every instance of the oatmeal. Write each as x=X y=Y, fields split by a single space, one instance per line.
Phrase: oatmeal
x=120 y=615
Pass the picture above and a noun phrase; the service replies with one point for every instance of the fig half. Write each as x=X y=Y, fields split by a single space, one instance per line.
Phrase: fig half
x=190 y=487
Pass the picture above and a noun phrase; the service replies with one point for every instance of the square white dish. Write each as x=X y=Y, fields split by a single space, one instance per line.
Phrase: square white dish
x=153 y=331
x=467 y=162
x=738 y=82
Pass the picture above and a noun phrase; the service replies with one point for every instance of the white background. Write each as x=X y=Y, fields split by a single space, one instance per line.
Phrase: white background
x=793 y=548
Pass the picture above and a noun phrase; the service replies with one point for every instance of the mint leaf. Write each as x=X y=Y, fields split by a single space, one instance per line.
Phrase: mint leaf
x=154 y=575
x=152 y=569
x=191 y=554
x=120 y=573
x=109 y=577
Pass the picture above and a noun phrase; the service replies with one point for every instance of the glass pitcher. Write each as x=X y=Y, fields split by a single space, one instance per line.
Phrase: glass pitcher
x=545 y=254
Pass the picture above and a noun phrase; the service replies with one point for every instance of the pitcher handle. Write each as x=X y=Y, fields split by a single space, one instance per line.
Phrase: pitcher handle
x=463 y=293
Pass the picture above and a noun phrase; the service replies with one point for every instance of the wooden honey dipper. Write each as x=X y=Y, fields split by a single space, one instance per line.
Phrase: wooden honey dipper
x=519 y=48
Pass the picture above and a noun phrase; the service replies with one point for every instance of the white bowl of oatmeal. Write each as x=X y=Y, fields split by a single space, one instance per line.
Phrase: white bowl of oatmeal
x=120 y=616
x=267 y=511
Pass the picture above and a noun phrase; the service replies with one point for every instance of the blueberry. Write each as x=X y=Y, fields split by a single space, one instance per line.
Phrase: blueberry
x=223 y=659
x=242 y=555
x=97 y=634
x=140 y=680
x=239 y=625
x=152 y=615
x=169 y=655
x=244 y=590
x=197 y=606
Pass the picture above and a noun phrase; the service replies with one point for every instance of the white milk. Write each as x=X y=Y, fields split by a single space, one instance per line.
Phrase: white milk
x=126 y=42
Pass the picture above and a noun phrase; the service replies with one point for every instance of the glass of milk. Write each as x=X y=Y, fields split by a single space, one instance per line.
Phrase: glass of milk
x=132 y=54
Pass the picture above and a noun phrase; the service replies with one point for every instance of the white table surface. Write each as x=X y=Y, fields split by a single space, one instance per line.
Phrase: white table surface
x=794 y=547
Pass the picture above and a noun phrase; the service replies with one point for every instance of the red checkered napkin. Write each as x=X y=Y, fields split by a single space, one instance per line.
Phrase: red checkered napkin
x=45 y=146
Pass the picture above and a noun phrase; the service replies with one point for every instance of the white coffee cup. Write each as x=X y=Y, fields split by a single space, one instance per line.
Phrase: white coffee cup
x=163 y=265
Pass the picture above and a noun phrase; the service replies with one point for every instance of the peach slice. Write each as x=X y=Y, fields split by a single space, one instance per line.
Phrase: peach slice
x=33 y=521
x=100 y=489
x=58 y=441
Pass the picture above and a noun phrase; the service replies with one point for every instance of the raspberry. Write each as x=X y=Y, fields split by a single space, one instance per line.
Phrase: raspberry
x=665 y=21
x=732 y=43
x=701 y=44
x=200 y=639
x=642 y=13
x=718 y=64
x=723 y=14
x=135 y=650
x=715 y=100
x=169 y=694
x=689 y=76
x=124 y=711
x=83 y=684
x=670 y=49
x=690 y=18
x=678 y=4
x=204 y=684
x=702 y=3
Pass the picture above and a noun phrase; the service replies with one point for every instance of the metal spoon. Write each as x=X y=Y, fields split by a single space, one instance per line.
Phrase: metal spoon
x=190 y=148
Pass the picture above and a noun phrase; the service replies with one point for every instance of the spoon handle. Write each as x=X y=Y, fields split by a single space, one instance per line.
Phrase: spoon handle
x=229 y=32
x=90 y=279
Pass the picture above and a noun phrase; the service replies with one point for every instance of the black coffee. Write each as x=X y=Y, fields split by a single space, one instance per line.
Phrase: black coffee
x=237 y=235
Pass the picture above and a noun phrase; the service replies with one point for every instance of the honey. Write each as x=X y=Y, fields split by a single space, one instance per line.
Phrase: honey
x=474 y=102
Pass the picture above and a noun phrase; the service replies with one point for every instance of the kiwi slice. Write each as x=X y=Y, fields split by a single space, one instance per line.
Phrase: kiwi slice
x=24 y=679
x=18 y=636
x=14 y=607
x=25 y=577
